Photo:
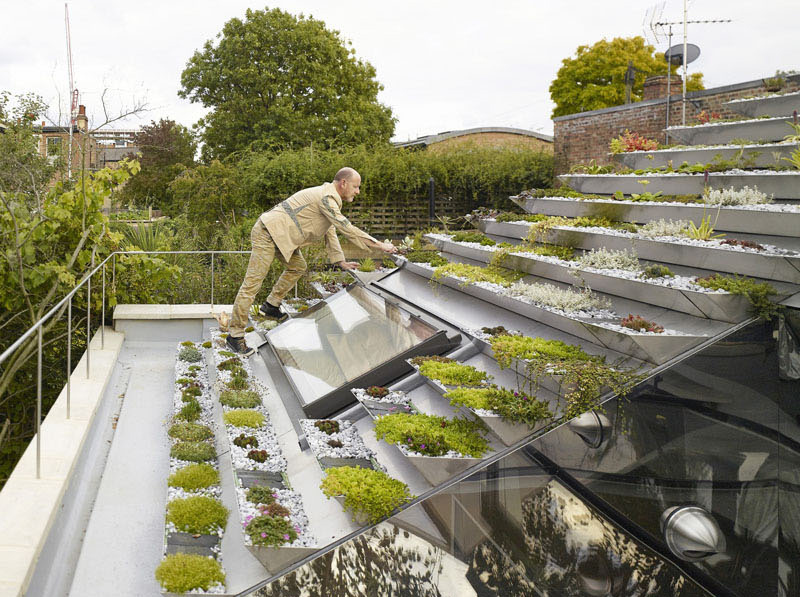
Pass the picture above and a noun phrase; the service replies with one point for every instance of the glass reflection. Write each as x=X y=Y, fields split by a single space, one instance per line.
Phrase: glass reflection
x=338 y=340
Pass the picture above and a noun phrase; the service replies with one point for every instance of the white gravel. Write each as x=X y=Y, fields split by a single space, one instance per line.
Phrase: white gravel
x=765 y=207
x=290 y=500
x=718 y=123
x=353 y=445
x=393 y=397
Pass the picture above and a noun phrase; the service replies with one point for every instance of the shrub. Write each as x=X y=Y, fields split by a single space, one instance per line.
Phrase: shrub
x=656 y=271
x=239 y=398
x=194 y=477
x=372 y=493
x=453 y=373
x=270 y=530
x=514 y=406
x=327 y=426
x=197 y=514
x=260 y=494
x=258 y=455
x=552 y=296
x=432 y=258
x=610 y=259
x=193 y=451
x=245 y=441
x=473 y=237
x=183 y=572
x=377 y=391
x=433 y=436
x=191 y=432
x=244 y=418
x=190 y=354
x=759 y=294
x=640 y=324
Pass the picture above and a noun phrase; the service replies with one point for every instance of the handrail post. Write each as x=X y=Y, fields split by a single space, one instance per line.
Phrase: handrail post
x=69 y=354
x=103 y=313
x=212 y=281
x=39 y=407
x=88 y=318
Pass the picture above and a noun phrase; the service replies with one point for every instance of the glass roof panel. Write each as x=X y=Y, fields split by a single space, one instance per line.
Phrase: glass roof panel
x=349 y=334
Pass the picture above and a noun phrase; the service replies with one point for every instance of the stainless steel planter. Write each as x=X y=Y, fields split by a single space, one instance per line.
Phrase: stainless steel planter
x=768 y=129
x=769 y=267
x=761 y=156
x=776 y=105
x=438 y=469
x=653 y=348
x=275 y=559
x=728 y=219
x=721 y=307
x=782 y=186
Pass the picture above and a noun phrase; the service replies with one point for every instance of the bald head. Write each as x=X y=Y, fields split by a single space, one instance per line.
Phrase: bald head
x=345 y=174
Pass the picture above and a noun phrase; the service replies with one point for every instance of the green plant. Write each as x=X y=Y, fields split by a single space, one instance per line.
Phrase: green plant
x=270 y=530
x=190 y=354
x=453 y=373
x=192 y=432
x=367 y=265
x=244 y=418
x=794 y=160
x=258 y=455
x=191 y=392
x=194 y=477
x=369 y=492
x=591 y=168
x=795 y=136
x=327 y=426
x=239 y=398
x=432 y=258
x=245 y=441
x=515 y=217
x=473 y=237
x=183 y=572
x=656 y=271
x=514 y=406
x=433 y=436
x=387 y=263
x=197 y=514
x=206 y=344
x=628 y=141
x=609 y=259
x=231 y=364
x=507 y=348
x=558 y=298
x=731 y=196
x=193 y=451
x=473 y=273
x=227 y=353
x=260 y=494
x=758 y=293
x=640 y=324
x=190 y=412
x=335 y=443
x=661 y=227
x=705 y=231
x=377 y=391
x=238 y=380
x=187 y=343
x=249 y=329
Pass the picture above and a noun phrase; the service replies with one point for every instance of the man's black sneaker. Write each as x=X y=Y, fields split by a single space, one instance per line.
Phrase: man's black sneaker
x=239 y=346
x=272 y=312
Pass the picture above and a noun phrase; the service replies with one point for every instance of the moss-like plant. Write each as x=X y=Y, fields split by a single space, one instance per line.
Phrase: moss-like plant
x=367 y=265
x=238 y=380
x=245 y=441
x=191 y=392
x=230 y=364
x=190 y=354
x=433 y=436
x=206 y=344
x=453 y=373
x=387 y=263
x=473 y=273
x=190 y=432
x=249 y=329
x=260 y=494
x=506 y=348
x=191 y=411
x=430 y=257
x=197 y=514
x=193 y=451
x=227 y=353
x=758 y=293
x=656 y=271
x=439 y=359
x=182 y=572
x=244 y=418
x=270 y=530
x=514 y=406
x=194 y=477
x=514 y=217
x=328 y=426
x=369 y=492
x=193 y=369
x=473 y=237
x=240 y=398
x=187 y=343
x=547 y=250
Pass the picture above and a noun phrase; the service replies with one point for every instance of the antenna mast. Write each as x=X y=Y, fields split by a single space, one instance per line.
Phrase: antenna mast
x=73 y=93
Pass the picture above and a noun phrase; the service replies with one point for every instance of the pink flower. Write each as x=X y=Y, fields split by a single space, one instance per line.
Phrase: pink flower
x=248 y=518
x=286 y=537
x=263 y=535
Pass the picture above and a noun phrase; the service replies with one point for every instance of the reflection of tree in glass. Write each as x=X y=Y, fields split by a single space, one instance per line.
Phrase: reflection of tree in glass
x=492 y=573
x=375 y=563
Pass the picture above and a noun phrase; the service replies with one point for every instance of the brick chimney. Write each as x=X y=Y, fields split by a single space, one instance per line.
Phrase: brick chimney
x=82 y=121
x=656 y=87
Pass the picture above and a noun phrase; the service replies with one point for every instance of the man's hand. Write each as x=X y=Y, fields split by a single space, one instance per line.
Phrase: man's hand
x=387 y=247
x=348 y=264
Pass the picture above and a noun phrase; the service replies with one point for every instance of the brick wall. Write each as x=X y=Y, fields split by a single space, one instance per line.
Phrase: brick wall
x=582 y=137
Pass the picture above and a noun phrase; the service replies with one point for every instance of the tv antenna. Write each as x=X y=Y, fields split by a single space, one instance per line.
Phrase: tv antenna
x=657 y=25
x=73 y=93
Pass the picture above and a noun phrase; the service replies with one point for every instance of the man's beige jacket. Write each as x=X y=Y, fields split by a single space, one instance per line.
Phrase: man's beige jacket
x=306 y=217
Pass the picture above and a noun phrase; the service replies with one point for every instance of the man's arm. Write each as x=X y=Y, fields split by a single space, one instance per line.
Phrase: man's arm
x=341 y=224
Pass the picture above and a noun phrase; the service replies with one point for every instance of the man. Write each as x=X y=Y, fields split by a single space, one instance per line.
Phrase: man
x=302 y=219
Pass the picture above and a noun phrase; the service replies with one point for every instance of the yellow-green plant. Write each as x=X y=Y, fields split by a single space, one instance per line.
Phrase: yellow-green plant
x=706 y=229
x=183 y=572
x=244 y=418
x=433 y=436
x=366 y=491
x=194 y=477
x=794 y=159
x=197 y=514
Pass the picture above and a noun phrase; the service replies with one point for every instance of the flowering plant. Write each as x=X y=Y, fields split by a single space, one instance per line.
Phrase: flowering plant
x=640 y=324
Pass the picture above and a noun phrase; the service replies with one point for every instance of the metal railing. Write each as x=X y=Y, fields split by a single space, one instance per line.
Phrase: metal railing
x=58 y=309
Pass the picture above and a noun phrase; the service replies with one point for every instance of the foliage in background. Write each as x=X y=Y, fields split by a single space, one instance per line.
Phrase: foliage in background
x=595 y=77
x=277 y=80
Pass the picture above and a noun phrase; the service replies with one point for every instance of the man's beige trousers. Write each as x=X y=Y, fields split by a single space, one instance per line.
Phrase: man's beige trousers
x=263 y=252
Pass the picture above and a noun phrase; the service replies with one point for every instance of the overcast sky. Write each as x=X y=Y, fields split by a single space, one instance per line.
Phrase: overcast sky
x=444 y=64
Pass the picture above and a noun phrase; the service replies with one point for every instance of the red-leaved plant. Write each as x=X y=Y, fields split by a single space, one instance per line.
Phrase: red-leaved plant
x=640 y=324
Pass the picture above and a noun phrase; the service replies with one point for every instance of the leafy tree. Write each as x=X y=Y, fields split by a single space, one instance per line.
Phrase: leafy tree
x=595 y=77
x=278 y=80
x=166 y=149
